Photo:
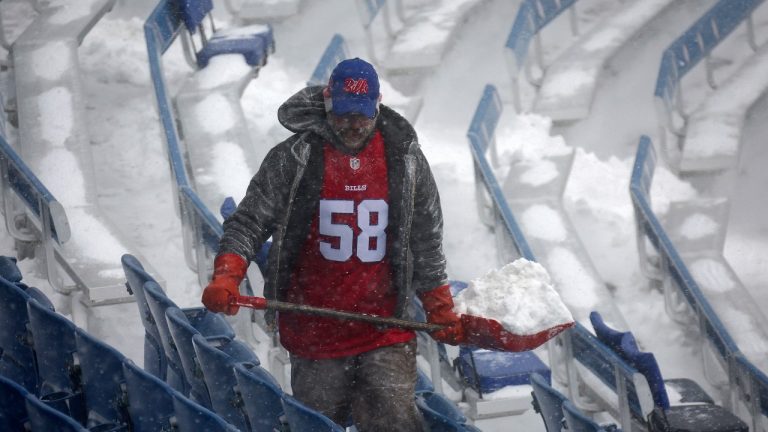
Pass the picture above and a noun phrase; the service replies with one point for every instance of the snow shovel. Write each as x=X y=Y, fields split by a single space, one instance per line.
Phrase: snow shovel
x=480 y=332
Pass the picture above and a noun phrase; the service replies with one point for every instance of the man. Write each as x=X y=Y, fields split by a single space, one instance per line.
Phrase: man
x=354 y=214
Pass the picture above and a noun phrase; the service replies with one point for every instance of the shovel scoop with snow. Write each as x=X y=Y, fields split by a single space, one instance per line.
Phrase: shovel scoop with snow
x=513 y=309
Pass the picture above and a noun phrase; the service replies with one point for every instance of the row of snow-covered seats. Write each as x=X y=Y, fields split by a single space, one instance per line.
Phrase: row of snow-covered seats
x=707 y=138
x=739 y=354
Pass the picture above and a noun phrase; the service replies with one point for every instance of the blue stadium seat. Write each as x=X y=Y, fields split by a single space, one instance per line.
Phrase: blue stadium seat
x=191 y=417
x=548 y=402
x=207 y=323
x=577 y=421
x=488 y=371
x=423 y=382
x=440 y=414
x=253 y=46
x=154 y=359
x=182 y=332
x=53 y=338
x=44 y=418
x=13 y=411
x=17 y=358
x=261 y=395
x=301 y=418
x=103 y=380
x=217 y=358
x=8 y=269
x=625 y=345
x=150 y=400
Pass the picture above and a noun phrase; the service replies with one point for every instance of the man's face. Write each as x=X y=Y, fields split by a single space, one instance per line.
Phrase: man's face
x=354 y=130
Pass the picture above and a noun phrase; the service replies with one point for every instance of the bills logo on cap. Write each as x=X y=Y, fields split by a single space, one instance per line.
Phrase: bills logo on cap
x=356 y=86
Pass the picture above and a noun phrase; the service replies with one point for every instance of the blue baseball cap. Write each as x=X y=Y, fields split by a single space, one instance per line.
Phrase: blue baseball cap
x=354 y=88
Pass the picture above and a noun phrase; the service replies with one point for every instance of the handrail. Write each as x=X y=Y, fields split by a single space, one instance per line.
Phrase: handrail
x=532 y=16
x=480 y=136
x=335 y=52
x=742 y=374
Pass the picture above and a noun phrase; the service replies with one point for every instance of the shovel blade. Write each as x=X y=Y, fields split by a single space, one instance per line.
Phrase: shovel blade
x=490 y=334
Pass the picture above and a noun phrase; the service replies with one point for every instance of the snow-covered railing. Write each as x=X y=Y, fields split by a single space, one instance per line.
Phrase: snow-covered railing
x=695 y=44
x=532 y=17
x=333 y=54
x=746 y=382
x=492 y=205
x=18 y=184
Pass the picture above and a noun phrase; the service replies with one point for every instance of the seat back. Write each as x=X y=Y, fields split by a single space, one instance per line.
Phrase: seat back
x=158 y=303
x=9 y=270
x=154 y=360
x=191 y=417
x=219 y=375
x=625 y=345
x=103 y=378
x=53 y=339
x=549 y=402
x=17 y=358
x=261 y=396
x=182 y=332
x=150 y=400
x=193 y=12
x=577 y=421
x=440 y=414
x=13 y=411
x=45 y=418
x=302 y=418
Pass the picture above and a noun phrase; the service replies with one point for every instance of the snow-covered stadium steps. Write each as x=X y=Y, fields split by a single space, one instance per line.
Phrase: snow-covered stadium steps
x=570 y=81
x=54 y=141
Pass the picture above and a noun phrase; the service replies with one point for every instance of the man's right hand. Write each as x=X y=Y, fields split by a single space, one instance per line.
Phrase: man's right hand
x=228 y=271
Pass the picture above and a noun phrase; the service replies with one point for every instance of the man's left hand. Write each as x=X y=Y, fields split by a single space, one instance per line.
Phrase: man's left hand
x=438 y=305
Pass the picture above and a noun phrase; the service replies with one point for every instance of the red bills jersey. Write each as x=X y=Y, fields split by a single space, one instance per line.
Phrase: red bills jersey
x=344 y=264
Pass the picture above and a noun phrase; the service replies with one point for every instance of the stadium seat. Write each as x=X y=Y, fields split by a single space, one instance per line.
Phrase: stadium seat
x=182 y=332
x=577 y=421
x=548 y=402
x=154 y=360
x=150 y=400
x=301 y=418
x=440 y=414
x=217 y=358
x=44 y=418
x=207 y=323
x=261 y=396
x=103 y=380
x=253 y=42
x=8 y=269
x=17 y=358
x=191 y=417
x=624 y=344
x=53 y=339
x=488 y=371
x=423 y=383
x=13 y=411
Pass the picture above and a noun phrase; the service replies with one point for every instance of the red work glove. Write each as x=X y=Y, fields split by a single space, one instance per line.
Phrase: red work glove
x=228 y=271
x=438 y=304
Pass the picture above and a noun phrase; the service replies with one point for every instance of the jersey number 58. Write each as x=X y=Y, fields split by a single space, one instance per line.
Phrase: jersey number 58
x=346 y=235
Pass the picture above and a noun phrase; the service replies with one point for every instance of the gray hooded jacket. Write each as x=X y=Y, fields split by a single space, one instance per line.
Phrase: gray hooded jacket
x=283 y=197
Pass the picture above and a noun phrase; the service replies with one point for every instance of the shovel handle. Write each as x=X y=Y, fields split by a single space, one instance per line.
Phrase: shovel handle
x=262 y=303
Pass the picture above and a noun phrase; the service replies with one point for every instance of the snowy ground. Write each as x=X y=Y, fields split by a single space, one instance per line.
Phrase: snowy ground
x=134 y=179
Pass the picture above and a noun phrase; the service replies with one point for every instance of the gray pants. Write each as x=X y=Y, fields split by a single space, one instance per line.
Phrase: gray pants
x=375 y=388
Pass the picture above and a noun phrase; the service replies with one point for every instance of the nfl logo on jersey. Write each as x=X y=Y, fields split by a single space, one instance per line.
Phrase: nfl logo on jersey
x=354 y=163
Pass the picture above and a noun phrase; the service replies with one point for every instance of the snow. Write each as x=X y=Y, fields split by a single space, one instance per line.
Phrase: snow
x=519 y=295
x=568 y=271
x=56 y=115
x=222 y=69
x=697 y=226
x=51 y=61
x=542 y=221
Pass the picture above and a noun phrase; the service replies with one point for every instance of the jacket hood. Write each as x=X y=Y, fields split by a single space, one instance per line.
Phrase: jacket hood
x=305 y=112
